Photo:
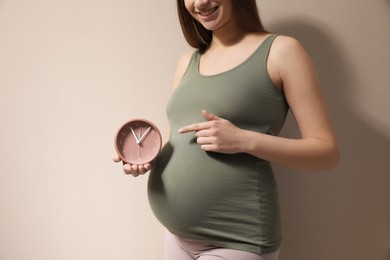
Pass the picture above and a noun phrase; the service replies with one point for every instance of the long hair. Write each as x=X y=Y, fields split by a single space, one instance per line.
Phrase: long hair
x=245 y=11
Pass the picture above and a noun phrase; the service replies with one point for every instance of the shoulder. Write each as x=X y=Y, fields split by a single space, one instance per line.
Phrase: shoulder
x=181 y=67
x=285 y=44
x=184 y=59
x=288 y=54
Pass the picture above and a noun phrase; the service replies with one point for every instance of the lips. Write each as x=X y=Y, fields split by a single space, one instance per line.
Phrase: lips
x=208 y=12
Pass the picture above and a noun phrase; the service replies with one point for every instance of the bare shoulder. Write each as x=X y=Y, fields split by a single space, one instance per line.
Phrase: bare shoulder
x=181 y=67
x=185 y=59
x=283 y=45
x=282 y=55
x=288 y=54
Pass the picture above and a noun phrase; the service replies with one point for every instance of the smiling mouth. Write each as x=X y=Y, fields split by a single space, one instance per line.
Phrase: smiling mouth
x=208 y=12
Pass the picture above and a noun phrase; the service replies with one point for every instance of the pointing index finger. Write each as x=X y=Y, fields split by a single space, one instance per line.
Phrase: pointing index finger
x=193 y=128
x=187 y=129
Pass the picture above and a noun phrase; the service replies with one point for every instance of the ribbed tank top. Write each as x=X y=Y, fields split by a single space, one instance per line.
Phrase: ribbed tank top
x=226 y=200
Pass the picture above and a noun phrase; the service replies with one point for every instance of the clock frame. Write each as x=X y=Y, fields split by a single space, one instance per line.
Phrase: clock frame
x=138 y=141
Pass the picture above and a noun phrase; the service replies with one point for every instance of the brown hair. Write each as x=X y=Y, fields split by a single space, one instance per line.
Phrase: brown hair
x=199 y=37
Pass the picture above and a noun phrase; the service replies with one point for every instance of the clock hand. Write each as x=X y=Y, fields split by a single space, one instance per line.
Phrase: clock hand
x=139 y=153
x=138 y=142
x=135 y=136
x=144 y=135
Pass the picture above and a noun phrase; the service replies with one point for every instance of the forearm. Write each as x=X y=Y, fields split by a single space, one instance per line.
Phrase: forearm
x=304 y=154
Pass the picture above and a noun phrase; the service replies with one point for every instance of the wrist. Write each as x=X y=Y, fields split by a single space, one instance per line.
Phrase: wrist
x=247 y=142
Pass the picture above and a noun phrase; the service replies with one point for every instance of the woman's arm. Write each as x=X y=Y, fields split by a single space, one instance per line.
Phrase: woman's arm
x=317 y=149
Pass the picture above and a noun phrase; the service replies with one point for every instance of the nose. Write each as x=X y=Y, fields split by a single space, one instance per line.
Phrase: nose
x=201 y=3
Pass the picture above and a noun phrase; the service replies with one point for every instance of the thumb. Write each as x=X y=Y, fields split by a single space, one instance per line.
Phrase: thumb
x=208 y=116
x=116 y=158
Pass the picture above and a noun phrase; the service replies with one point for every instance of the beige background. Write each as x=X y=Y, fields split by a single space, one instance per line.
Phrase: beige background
x=73 y=71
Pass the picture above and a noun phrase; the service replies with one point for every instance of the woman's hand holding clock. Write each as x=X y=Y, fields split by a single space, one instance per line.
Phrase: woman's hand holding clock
x=133 y=169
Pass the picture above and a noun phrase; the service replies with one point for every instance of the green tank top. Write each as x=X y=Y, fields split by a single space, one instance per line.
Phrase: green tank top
x=226 y=200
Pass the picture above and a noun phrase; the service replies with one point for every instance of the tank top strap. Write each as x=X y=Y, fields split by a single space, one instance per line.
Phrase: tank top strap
x=192 y=66
x=265 y=46
x=260 y=56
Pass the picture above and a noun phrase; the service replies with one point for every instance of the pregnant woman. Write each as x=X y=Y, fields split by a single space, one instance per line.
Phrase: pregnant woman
x=212 y=186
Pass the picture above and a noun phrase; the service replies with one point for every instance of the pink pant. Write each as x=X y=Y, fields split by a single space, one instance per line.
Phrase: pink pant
x=179 y=249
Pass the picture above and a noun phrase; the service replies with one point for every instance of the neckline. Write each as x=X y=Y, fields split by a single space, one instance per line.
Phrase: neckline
x=234 y=67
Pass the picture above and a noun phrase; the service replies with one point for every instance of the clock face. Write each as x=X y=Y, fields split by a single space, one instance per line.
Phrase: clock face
x=138 y=142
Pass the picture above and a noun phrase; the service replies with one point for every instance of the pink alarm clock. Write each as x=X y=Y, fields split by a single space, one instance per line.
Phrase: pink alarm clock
x=138 y=142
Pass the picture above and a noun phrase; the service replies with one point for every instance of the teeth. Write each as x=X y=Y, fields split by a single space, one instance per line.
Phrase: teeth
x=207 y=13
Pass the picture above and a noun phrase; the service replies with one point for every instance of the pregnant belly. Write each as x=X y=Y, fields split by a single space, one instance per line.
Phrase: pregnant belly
x=190 y=191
